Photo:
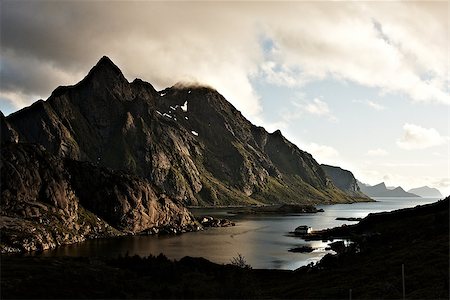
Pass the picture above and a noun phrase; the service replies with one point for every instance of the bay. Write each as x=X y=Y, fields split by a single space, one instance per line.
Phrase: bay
x=263 y=240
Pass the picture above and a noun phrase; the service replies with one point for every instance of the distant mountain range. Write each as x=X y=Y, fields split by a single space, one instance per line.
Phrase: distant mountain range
x=380 y=190
x=426 y=191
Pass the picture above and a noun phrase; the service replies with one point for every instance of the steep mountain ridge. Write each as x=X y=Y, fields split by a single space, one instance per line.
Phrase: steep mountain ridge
x=344 y=180
x=187 y=140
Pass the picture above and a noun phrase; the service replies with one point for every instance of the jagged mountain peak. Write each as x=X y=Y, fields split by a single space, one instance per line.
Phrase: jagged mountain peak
x=104 y=75
x=105 y=64
x=381 y=184
x=277 y=133
x=105 y=60
x=105 y=70
x=188 y=140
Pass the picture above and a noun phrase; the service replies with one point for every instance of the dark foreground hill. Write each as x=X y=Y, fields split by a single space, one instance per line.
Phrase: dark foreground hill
x=418 y=238
x=188 y=141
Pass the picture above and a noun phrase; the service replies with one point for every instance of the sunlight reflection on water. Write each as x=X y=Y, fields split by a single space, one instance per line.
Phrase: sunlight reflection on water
x=263 y=240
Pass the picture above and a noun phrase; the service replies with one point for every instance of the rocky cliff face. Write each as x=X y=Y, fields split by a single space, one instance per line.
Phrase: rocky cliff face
x=344 y=180
x=7 y=133
x=129 y=203
x=39 y=209
x=46 y=202
x=188 y=141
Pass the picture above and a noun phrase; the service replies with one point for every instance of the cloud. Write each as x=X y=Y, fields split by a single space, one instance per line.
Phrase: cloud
x=281 y=76
x=322 y=153
x=407 y=164
x=315 y=107
x=162 y=43
x=11 y=101
x=441 y=182
x=375 y=44
x=377 y=152
x=372 y=104
x=375 y=105
x=406 y=181
x=344 y=41
x=417 y=137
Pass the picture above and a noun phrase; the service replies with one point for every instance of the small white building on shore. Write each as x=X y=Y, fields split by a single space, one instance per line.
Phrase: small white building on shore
x=303 y=229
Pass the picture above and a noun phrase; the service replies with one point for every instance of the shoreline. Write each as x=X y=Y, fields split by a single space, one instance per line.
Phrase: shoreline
x=383 y=242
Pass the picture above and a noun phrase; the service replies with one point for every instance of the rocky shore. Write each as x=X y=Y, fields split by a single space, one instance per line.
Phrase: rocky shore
x=349 y=219
x=302 y=249
x=208 y=221
x=371 y=267
x=278 y=209
x=48 y=202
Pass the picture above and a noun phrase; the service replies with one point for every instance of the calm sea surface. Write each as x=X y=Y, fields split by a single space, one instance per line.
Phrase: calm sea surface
x=264 y=241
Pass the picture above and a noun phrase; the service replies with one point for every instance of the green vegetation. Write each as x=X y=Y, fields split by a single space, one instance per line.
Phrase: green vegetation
x=214 y=191
x=287 y=189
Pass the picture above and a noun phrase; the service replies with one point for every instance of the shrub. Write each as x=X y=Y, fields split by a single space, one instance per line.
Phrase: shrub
x=239 y=261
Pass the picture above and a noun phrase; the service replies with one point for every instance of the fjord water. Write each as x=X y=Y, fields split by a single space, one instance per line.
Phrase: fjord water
x=263 y=240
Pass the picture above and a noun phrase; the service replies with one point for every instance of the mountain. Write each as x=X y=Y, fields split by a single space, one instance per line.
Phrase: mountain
x=343 y=180
x=48 y=201
x=426 y=191
x=187 y=141
x=7 y=133
x=380 y=190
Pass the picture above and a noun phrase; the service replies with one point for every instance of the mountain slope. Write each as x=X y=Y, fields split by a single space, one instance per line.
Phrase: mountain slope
x=48 y=202
x=380 y=190
x=426 y=191
x=187 y=140
x=343 y=180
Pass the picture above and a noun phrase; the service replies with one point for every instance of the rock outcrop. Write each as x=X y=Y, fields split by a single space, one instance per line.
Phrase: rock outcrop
x=129 y=203
x=7 y=133
x=188 y=141
x=39 y=209
x=46 y=202
x=343 y=180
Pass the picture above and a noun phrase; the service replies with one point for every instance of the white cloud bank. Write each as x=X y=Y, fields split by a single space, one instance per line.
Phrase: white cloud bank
x=377 y=152
x=317 y=107
x=376 y=44
x=417 y=137
x=375 y=105
x=322 y=153
x=372 y=104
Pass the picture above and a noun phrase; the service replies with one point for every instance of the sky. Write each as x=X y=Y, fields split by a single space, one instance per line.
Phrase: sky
x=360 y=85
